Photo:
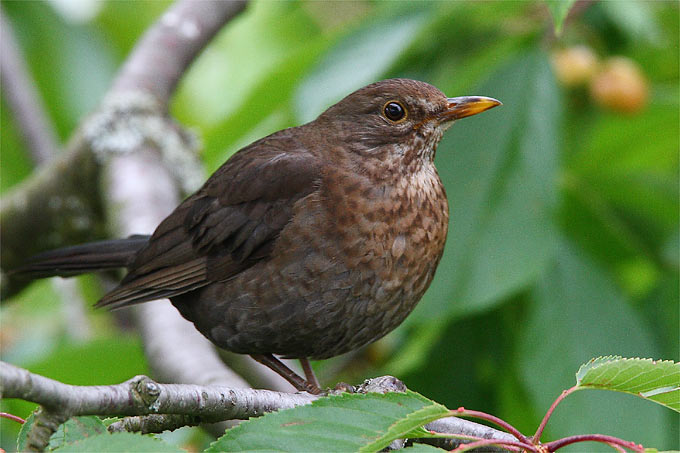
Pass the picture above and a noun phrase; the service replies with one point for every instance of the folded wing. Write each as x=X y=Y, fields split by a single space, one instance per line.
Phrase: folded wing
x=227 y=226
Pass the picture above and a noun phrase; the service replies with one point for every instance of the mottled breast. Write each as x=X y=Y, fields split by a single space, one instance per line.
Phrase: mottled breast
x=390 y=237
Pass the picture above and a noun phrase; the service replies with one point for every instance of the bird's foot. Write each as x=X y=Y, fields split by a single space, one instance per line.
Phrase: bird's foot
x=311 y=385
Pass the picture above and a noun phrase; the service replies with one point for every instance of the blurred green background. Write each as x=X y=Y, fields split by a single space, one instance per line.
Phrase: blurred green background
x=564 y=237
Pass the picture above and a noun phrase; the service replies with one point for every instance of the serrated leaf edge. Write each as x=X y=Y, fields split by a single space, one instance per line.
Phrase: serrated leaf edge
x=595 y=363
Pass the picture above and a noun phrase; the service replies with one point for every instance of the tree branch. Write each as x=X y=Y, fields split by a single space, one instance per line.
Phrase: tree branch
x=143 y=396
x=151 y=424
x=59 y=204
x=168 y=48
x=157 y=407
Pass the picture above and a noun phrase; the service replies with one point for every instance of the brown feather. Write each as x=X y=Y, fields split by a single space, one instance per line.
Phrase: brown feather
x=215 y=233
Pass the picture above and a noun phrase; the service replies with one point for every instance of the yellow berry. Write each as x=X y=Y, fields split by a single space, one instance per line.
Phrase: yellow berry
x=574 y=65
x=620 y=85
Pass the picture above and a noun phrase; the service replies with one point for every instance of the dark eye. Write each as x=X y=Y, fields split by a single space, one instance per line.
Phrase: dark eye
x=394 y=111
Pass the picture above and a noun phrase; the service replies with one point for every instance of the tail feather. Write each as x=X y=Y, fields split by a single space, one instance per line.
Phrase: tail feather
x=79 y=259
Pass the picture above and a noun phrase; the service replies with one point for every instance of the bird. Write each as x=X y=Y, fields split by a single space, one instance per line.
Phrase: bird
x=306 y=244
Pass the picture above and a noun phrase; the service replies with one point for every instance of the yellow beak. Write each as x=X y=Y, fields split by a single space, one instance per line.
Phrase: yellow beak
x=463 y=106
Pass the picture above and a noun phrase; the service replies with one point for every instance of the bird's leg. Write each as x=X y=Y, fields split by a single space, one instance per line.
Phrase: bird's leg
x=286 y=373
x=309 y=372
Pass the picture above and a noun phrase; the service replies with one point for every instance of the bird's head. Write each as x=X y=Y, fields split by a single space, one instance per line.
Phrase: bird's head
x=398 y=119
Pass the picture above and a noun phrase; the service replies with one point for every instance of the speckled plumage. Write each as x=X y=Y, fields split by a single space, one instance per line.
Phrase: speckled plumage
x=315 y=240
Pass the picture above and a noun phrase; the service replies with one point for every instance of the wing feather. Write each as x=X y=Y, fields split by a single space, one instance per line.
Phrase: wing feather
x=228 y=225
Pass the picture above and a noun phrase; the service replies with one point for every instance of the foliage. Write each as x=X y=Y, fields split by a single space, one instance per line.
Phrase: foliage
x=656 y=380
x=347 y=422
x=559 y=10
x=370 y=422
x=76 y=429
x=119 y=443
x=564 y=237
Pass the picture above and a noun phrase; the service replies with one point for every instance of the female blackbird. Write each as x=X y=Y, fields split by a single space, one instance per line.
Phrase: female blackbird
x=308 y=243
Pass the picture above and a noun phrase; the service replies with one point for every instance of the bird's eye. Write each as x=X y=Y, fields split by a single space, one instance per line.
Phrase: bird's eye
x=394 y=111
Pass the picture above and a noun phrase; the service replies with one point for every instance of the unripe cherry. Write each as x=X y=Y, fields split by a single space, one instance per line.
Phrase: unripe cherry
x=574 y=65
x=620 y=86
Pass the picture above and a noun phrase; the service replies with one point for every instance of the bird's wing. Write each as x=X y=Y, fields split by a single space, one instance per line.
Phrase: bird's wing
x=230 y=224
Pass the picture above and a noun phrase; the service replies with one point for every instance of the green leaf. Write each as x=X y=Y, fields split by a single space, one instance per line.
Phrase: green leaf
x=499 y=169
x=23 y=432
x=635 y=19
x=75 y=429
x=408 y=425
x=640 y=184
x=348 y=422
x=120 y=443
x=655 y=380
x=620 y=203
x=559 y=10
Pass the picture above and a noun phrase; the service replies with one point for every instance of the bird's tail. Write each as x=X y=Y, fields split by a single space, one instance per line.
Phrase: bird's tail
x=80 y=259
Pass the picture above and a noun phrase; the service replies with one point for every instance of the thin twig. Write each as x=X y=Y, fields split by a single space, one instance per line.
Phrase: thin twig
x=493 y=442
x=19 y=90
x=610 y=440
x=462 y=412
x=45 y=423
x=12 y=417
x=541 y=427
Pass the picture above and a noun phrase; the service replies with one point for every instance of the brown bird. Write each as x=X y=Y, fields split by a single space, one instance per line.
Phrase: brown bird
x=309 y=243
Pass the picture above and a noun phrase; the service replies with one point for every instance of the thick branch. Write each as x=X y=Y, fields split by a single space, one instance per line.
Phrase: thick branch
x=58 y=205
x=141 y=396
x=165 y=52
